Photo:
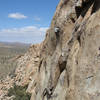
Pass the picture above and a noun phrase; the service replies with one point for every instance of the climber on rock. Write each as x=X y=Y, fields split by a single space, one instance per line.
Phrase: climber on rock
x=57 y=31
x=47 y=93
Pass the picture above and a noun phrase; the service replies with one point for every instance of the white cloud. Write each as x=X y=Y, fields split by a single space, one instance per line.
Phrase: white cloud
x=31 y=30
x=17 y=16
x=28 y=34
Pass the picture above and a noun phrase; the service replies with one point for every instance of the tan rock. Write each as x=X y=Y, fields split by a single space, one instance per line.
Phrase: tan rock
x=65 y=66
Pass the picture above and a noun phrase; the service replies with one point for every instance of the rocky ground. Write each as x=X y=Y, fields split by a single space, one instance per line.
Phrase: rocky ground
x=65 y=66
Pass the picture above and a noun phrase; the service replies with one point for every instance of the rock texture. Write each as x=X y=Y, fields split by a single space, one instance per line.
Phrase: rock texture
x=27 y=68
x=66 y=65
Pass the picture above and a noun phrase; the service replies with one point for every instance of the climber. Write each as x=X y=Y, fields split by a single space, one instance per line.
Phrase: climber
x=46 y=93
x=57 y=30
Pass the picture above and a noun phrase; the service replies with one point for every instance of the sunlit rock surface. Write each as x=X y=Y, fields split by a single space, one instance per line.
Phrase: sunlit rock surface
x=66 y=65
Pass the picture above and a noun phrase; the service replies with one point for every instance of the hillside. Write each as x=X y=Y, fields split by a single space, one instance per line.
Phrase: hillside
x=8 y=55
x=66 y=65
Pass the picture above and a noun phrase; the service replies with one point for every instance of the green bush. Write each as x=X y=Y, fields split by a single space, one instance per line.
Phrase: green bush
x=19 y=92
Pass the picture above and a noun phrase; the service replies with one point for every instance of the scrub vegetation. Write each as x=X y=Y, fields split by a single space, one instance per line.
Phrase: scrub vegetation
x=8 y=55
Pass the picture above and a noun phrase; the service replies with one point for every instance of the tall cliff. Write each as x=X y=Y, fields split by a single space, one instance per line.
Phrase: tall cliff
x=66 y=65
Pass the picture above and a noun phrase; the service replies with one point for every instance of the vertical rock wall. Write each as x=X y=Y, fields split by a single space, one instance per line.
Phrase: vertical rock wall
x=70 y=55
x=66 y=65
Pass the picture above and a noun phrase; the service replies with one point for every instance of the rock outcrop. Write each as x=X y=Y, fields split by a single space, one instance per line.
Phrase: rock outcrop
x=27 y=68
x=65 y=66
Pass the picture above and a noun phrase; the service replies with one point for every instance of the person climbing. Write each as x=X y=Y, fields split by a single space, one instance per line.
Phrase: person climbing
x=57 y=31
x=46 y=93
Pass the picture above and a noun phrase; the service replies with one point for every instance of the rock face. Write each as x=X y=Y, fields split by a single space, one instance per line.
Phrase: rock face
x=27 y=68
x=66 y=65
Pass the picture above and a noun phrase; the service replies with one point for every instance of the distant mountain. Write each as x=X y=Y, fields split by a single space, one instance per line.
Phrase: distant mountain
x=14 y=44
x=9 y=52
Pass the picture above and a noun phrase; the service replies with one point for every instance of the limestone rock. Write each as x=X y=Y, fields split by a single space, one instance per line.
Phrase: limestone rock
x=65 y=66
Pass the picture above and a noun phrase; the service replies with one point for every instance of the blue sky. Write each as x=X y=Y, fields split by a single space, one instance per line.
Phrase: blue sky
x=25 y=20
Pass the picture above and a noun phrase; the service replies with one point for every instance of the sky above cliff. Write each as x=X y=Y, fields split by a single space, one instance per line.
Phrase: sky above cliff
x=25 y=20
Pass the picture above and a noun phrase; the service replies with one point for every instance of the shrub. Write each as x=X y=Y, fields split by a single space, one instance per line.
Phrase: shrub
x=19 y=92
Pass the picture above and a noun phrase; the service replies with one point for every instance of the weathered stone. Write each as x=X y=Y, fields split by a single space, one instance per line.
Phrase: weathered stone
x=66 y=68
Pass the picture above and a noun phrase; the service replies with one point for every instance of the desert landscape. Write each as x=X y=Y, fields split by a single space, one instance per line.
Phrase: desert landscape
x=9 y=53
